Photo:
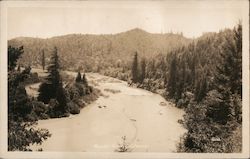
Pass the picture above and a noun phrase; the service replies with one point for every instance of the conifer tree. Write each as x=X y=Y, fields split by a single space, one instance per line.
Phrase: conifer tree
x=228 y=77
x=143 y=70
x=61 y=98
x=135 y=69
x=84 y=80
x=48 y=89
x=171 y=87
x=201 y=89
x=78 y=77
x=13 y=55
x=193 y=71
x=18 y=101
x=43 y=59
x=180 y=80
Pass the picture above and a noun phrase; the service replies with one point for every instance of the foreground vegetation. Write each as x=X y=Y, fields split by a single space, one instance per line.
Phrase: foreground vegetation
x=20 y=128
x=54 y=100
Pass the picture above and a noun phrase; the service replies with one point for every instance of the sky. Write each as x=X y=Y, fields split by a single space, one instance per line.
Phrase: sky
x=192 y=18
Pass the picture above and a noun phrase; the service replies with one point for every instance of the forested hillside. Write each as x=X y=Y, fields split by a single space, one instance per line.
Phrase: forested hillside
x=183 y=68
x=97 y=52
x=203 y=75
x=204 y=78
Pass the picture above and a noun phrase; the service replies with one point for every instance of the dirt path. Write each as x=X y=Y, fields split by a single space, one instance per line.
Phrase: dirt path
x=122 y=111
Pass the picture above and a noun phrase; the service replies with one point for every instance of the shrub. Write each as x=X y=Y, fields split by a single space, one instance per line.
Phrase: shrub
x=53 y=105
x=31 y=117
x=73 y=108
x=32 y=78
x=77 y=90
x=124 y=146
x=40 y=109
x=93 y=96
x=21 y=135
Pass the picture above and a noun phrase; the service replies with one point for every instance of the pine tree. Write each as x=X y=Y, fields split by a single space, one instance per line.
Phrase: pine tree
x=61 y=98
x=193 y=71
x=43 y=59
x=135 y=69
x=235 y=50
x=201 y=89
x=228 y=77
x=84 y=80
x=180 y=80
x=78 y=77
x=48 y=89
x=143 y=70
x=171 y=86
x=13 y=55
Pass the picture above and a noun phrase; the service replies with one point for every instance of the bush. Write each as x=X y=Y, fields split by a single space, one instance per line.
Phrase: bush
x=124 y=146
x=186 y=98
x=77 y=90
x=21 y=135
x=31 y=117
x=40 y=109
x=73 y=108
x=93 y=96
x=55 y=111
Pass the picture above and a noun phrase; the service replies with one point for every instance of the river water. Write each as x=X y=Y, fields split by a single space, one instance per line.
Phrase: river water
x=148 y=121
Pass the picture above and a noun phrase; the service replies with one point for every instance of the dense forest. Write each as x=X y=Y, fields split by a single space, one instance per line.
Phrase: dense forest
x=205 y=79
x=96 y=52
x=203 y=76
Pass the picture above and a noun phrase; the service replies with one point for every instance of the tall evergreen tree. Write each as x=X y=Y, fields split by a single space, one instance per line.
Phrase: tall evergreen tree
x=201 y=89
x=13 y=55
x=171 y=86
x=235 y=51
x=135 y=69
x=48 y=89
x=61 y=98
x=143 y=70
x=193 y=70
x=18 y=101
x=228 y=78
x=78 y=77
x=180 y=80
x=43 y=59
x=84 y=80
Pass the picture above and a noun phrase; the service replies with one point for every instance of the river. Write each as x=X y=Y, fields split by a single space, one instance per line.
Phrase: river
x=148 y=121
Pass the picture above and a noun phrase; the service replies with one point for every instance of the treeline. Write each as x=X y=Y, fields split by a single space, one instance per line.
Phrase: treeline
x=96 y=53
x=204 y=78
x=57 y=98
x=214 y=109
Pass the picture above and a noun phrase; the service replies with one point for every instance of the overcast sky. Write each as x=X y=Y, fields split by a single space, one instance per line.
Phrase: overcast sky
x=190 y=17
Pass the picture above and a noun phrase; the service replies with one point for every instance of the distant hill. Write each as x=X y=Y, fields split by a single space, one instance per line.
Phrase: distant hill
x=88 y=51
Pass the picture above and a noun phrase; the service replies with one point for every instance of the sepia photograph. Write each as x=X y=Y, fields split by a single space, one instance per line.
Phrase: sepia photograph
x=157 y=78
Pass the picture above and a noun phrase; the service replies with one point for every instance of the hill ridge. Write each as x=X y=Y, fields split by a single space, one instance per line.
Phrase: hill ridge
x=134 y=30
